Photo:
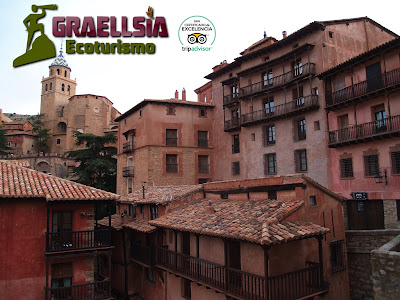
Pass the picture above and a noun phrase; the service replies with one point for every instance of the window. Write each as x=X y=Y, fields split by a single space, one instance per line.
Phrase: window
x=253 y=137
x=203 y=164
x=395 y=158
x=300 y=158
x=212 y=95
x=141 y=208
x=153 y=212
x=186 y=290
x=371 y=165
x=338 y=256
x=235 y=114
x=62 y=221
x=313 y=201
x=129 y=185
x=316 y=126
x=202 y=112
x=140 y=113
x=330 y=34
x=298 y=97
x=202 y=139
x=300 y=129
x=235 y=144
x=269 y=106
x=270 y=135
x=380 y=118
x=172 y=137
x=315 y=91
x=151 y=275
x=272 y=195
x=235 y=91
x=69 y=89
x=270 y=163
x=58 y=71
x=170 y=110
x=236 y=168
x=266 y=59
x=268 y=78
x=204 y=97
x=61 y=276
x=58 y=141
x=65 y=73
x=46 y=87
x=346 y=168
x=297 y=67
x=51 y=85
x=172 y=163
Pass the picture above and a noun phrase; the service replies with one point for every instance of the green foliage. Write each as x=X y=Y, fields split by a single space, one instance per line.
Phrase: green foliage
x=97 y=166
x=42 y=134
x=3 y=141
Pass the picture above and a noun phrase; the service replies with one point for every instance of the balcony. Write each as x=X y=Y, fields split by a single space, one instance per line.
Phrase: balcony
x=128 y=172
x=232 y=124
x=281 y=111
x=128 y=147
x=143 y=255
x=361 y=133
x=90 y=291
x=231 y=99
x=363 y=90
x=278 y=81
x=239 y=284
x=68 y=241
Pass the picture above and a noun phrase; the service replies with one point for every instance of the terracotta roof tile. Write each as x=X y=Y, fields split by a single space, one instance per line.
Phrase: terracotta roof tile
x=20 y=182
x=116 y=222
x=161 y=194
x=141 y=226
x=257 y=221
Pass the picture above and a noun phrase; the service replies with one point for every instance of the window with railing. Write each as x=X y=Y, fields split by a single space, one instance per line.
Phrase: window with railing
x=236 y=168
x=298 y=96
x=270 y=163
x=338 y=256
x=171 y=163
x=300 y=158
x=395 y=159
x=203 y=164
x=297 y=67
x=269 y=133
x=268 y=78
x=202 y=139
x=235 y=144
x=269 y=106
x=171 y=137
x=371 y=165
x=153 y=212
x=346 y=168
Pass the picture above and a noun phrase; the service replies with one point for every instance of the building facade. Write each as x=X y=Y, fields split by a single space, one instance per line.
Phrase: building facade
x=20 y=137
x=165 y=142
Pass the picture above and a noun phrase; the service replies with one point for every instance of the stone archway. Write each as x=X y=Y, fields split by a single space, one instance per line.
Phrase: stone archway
x=43 y=167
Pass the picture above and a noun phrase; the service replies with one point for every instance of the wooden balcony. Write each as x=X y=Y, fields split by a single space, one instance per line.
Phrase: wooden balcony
x=239 y=284
x=231 y=125
x=128 y=147
x=69 y=241
x=231 y=99
x=369 y=88
x=128 y=172
x=291 y=108
x=278 y=81
x=90 y=291
x=143 y=255
x=365 y=132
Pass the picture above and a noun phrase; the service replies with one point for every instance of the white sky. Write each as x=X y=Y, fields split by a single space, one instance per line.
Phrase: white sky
x=128 y=79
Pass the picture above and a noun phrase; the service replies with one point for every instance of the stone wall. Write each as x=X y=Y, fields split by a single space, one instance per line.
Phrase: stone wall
x=390 y=214
x=385 y=263
x=360 y=243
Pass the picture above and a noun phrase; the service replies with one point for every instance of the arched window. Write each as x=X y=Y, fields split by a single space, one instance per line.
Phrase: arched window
x=62 y=127
x=68 y=89
x=58 y=71
x=51 y=86
x=65 y=73
x=46 y=87
x=62 y=87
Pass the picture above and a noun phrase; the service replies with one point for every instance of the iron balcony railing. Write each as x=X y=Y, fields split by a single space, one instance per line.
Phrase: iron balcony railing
x=232 y=124
x=142 y=254
x=128 y=147
x=278 y=81
x=231 y=99
x=384 y=81
x=365 y=131
x=128 y=172
x=78 y=240
x=240 y=284
x=90 y=291
x=287 y=109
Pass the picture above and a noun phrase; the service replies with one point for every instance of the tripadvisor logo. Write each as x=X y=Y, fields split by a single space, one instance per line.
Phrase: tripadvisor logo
x=196 y=33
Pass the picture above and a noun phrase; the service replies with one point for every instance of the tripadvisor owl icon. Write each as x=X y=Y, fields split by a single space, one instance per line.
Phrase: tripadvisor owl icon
x=197 y=33
x=42 y=46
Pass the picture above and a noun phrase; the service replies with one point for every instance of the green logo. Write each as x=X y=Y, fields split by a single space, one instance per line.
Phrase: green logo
x=42 y=47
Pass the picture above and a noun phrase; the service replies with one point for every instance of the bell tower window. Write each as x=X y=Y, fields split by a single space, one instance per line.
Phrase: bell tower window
x=65 y=73
x=46 y=87
x=62 y=87
x=51 y=86
x=58 y=71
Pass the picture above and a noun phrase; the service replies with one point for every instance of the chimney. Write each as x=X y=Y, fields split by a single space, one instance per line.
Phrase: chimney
x=183 y=95
x=220 y=66
x=176 y=94
x=209 y=209
x=284 y=34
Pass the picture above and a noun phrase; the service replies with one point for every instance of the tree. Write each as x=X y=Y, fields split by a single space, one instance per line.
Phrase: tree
x=42 y=134
x=97 y=165
x=3 y=141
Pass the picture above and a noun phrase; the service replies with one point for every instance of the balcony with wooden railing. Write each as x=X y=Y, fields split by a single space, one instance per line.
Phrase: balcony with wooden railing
x=69 y=241
x=365 y=132
x=291 y=108
x=128 y=147
x=128 y=172
x=278 y=81
x=231 y=99
x=369 y=88
x=239 y=284
x=90 y=291
x=231 y=125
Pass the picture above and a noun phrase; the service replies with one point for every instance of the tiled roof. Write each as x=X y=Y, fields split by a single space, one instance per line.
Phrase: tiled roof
x=21 y=163
x=60 y=61
x=140 y=225
x=116 y=222
x=256 y=221
x=161 y=194
x=20 y=182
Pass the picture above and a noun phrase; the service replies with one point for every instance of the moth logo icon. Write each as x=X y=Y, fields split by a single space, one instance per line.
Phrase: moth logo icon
x=197 y=38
